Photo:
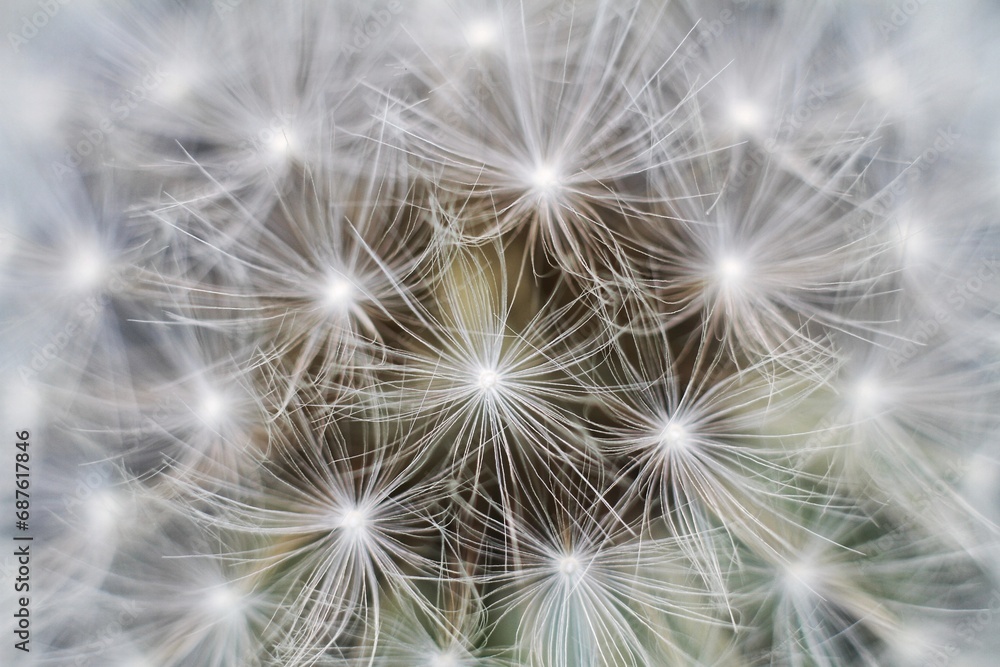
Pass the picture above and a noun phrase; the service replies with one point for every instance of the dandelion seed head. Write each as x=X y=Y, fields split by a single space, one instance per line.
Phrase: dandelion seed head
x=558 y=284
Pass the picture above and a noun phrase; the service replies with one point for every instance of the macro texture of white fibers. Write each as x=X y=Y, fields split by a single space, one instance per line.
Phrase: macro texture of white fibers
x=497 y=333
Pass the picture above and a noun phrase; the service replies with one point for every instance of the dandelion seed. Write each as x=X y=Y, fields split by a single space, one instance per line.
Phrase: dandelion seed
x=760 y=281
x=323 y=291
x=199 y=608
x=552 y=170
x=695 y=449
x=567 y=575
x=346 y=528
x=831 y=595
